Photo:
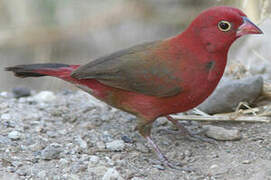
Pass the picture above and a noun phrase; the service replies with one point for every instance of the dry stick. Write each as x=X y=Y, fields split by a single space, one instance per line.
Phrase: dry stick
x=223 y=118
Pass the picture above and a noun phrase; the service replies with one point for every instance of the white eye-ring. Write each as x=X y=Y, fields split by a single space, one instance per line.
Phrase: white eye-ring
x=224 y=26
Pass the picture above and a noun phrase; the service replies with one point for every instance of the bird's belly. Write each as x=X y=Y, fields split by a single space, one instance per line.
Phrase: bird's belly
x=194 y=93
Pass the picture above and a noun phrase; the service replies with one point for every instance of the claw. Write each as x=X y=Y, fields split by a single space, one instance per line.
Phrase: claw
x=163 y=158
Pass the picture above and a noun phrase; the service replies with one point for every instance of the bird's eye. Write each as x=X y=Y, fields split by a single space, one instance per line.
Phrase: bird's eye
x=224 y=26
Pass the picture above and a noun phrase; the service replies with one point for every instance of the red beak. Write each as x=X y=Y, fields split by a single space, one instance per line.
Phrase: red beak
x=248 y=27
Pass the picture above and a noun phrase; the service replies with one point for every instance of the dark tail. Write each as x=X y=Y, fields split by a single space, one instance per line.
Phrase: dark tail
x=37 y=70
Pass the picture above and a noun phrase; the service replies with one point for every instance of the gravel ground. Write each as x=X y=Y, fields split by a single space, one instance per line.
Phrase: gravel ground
x=70 y=135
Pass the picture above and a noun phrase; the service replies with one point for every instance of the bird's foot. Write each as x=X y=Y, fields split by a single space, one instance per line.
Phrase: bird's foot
x=164 y=160
x=190 y=134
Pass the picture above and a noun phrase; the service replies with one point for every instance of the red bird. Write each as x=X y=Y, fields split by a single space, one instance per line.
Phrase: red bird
x=159 y=78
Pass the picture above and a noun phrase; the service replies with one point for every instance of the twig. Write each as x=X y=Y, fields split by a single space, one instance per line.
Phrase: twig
x=224 y=118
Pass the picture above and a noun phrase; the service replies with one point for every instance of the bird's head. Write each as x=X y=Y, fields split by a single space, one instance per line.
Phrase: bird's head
x=218 y=27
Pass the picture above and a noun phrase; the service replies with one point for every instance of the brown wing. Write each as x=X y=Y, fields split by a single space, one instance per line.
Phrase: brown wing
x=135 y=69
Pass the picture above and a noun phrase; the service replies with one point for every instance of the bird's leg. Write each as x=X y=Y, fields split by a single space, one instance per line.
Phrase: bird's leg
x=145 y=130
x=188 y=133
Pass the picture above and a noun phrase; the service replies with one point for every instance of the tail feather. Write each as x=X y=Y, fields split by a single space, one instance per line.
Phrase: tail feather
x=37 y=70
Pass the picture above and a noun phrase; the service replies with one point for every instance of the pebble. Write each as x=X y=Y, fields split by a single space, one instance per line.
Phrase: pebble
x=216 y=169
x=159 y=167
x=112 y=173
x=51 y=134
x=100 y=145
x=116 y=145
x=42 y=174
x=63 y=161
x=93 y=161
x=4 y=140
x=14 y=135
x=161 y=122
x=45 y=96
x=82 y=143
x=136 y=178
x=5 y=116
x=4 y=94
x=222 y=134
x=52 y=151
x=21 y=92
x=246 y=162
x=127 y=139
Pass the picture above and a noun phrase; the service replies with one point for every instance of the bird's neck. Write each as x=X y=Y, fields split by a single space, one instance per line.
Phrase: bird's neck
x=199 y=55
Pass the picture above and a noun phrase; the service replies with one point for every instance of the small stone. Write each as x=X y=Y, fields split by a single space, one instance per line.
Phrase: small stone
x=83 y=144
x=4 y=94
x=78 y=167
x=246 y=162
x=42 y=174
x=52 y=151
x=127 y=139
x=21 y=172
x=100 y=145
x=14 y=135
x=159 y=167
x=109 y=161
x=112 y=173
x=222 y=134
x=63 y=161
x=45 y=96
x=4 y=140
x=161 y=122
x=51 y=134
x=5 y=116
x=93 y=161
x=136 y=178
x=116 y=157
x=21 y=92
x=117 y=145
x=187 y=153
x=217 y=169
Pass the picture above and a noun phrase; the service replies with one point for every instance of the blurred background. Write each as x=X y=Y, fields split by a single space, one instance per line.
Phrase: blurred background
x=66 y=31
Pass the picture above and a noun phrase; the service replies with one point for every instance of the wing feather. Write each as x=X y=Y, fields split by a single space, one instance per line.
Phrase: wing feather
x=134 y=69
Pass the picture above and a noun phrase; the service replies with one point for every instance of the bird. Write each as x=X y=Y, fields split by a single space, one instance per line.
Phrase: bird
x=159 y=78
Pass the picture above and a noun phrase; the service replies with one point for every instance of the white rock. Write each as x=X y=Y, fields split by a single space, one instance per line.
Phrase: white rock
x=100 y=145
x=93 y=160
x=136 y=178
x=52 y=151
x=14 y=135
x=63 y=161
x=45 y=96
x=222 y=134
x=112 y=173
x=5 y=116
x=4 y=94
x=117 y=145
x=82 y=143
x=42 y=174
